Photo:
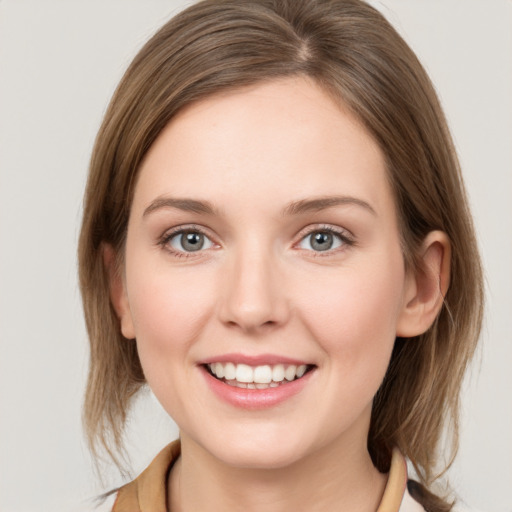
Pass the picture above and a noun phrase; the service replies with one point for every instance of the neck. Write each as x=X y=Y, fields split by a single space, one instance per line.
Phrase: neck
x=332 y=479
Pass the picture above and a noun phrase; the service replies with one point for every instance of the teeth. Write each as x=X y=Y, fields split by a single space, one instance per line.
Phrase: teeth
x=244 y=373
x=289 y=373
x=262 y=374
x=218 y=370
x=259 y=377
x=229 y=371
x=278 y=373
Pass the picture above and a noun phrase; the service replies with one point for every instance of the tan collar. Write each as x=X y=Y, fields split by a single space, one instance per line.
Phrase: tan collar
x=397 y=483
x=147 y=493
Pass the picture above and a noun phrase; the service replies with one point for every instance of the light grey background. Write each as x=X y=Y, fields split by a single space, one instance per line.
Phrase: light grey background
x=59 y=64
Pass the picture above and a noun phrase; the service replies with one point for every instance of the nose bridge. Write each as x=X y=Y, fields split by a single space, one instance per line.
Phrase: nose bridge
x=254 y=293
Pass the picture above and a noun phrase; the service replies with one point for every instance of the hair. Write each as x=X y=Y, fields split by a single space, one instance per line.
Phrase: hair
x=350 y=50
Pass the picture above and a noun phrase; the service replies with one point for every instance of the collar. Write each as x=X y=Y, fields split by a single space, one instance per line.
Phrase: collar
x=147 y=493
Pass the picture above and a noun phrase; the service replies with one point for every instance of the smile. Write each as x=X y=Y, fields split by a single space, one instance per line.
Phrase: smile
x=256 y=377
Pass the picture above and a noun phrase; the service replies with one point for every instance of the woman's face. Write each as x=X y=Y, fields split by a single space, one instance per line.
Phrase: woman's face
x=264 y=278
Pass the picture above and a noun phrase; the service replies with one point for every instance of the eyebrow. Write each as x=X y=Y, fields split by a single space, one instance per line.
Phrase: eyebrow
x=322 y=203
x=185 y=204
x=293 y=208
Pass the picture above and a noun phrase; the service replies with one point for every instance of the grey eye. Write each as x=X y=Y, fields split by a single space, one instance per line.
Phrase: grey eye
x=321 y=241
x=190 y=241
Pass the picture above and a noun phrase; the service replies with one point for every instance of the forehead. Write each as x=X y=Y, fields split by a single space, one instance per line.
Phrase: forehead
x=286 y=137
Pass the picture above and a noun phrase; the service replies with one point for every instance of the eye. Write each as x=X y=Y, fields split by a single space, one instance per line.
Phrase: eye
x=323 y=240
x=189 y=241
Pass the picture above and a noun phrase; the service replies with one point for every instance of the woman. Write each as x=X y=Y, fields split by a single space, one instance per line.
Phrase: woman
x=276 y=239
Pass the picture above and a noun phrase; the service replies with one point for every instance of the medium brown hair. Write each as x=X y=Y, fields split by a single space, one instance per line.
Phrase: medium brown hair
x=349 y=49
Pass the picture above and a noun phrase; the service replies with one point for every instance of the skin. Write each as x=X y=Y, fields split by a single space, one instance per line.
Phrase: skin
x=259 y=287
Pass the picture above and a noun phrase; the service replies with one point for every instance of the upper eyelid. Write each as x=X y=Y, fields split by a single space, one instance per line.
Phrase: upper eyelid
x=314 y=228
x=170 y=232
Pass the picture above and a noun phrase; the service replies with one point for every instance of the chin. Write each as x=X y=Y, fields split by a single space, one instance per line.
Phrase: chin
x=260 y=458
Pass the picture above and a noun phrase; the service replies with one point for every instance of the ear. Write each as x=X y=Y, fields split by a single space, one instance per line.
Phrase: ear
x=426 y=287
x=118 y=295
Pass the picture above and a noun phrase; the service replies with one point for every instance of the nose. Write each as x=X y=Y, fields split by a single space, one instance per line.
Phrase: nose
x=254 y=298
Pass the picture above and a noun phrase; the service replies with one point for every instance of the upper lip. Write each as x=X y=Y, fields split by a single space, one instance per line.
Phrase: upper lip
x=253 y=360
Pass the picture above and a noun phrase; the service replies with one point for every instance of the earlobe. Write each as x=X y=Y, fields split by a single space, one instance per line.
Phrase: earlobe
x=426 y=287
x=118 y=295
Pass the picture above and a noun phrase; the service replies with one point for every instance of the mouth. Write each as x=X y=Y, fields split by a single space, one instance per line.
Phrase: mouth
x=257 y=377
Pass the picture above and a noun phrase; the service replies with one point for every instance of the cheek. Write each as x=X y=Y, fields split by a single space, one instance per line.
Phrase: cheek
x=353 y=315
x=169 y=309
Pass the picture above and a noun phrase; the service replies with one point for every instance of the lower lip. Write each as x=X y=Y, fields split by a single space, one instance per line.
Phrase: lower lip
x=255 y=398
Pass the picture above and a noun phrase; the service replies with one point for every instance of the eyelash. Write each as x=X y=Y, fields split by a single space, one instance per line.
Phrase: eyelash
x=169 y=235
x=344 y=237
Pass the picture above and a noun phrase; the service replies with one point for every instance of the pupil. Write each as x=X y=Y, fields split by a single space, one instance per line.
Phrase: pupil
x=322 y=241
x=192 y=241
